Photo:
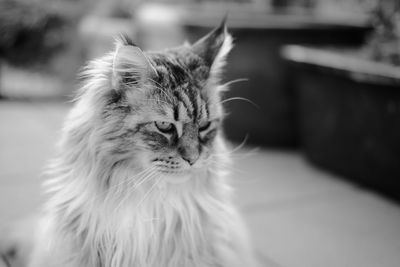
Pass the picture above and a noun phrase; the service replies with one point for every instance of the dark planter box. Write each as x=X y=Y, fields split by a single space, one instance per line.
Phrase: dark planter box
x=349 y=115
x=259 y=36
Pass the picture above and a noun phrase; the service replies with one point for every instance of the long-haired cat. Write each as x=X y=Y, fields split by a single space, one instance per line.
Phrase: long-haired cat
x=140 y=178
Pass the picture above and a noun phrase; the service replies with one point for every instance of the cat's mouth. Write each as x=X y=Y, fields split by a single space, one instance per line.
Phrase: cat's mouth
x=168 y=166
x=172 y=171
x=174 y=175
x=175 y=171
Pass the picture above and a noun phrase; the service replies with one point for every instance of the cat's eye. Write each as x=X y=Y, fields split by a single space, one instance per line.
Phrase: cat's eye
x=164 y=127
x=204 y=126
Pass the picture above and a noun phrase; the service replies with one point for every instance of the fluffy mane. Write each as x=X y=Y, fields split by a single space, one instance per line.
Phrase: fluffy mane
x=106 y=209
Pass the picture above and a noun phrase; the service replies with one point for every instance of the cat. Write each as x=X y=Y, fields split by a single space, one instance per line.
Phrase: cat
x=140 y=179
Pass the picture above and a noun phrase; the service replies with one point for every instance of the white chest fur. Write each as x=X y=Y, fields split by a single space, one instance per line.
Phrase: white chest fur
x=186 y=225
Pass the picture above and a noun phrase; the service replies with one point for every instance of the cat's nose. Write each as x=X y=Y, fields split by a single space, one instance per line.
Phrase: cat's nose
x=189 y=154
x=188 y=147
x=191 y=160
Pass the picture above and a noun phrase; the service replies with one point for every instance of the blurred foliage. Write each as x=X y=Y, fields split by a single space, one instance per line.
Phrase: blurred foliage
x=31 y=32
x=28 y=32
x=384 y=43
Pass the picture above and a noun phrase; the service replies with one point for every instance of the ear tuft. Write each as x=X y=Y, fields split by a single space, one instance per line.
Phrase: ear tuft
x=130 y=66
x=124 y=39
x=214 y=47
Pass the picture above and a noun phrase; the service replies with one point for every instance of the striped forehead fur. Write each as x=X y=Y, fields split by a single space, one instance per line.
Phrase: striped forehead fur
x=181 y=78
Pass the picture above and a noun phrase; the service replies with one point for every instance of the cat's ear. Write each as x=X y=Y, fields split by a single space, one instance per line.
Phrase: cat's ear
x=130 y=67
x=214 y=47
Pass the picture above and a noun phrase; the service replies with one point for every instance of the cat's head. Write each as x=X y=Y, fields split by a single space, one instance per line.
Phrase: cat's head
x=162 y=110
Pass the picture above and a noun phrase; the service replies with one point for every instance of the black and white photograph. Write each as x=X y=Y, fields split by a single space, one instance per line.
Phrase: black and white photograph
x=199 y=133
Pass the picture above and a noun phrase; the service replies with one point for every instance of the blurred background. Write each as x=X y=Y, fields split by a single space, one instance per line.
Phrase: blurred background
x=315 y=87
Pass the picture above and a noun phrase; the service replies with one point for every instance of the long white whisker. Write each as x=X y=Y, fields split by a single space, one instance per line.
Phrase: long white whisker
x=240 y=98
x=140 y=182
x=132 y=180
x=240 y=146
x=236 y=155
x=148 y=193
x=126 y=183
x=230 y=168
x=135 y=186
x=235 y=81
x=161 y=89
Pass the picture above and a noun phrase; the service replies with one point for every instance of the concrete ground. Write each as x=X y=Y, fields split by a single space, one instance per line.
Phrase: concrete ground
x=298 y=216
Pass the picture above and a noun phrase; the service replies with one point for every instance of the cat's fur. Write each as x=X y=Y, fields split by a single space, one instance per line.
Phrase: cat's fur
x=124 y=193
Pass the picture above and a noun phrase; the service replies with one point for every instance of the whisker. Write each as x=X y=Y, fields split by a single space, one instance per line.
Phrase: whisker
x=229 y=168
x=161 y=89
x=132 y=180
x=240 y=146
x=240 y=98
x=139 y=183
x=164 y=92
x=148 y=192
x=235 y=81
x=154 y=82
x=238 y=155
x=125 y=183
x=131 y=190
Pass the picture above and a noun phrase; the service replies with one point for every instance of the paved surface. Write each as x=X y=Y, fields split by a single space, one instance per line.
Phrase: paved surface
x=298 y=216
